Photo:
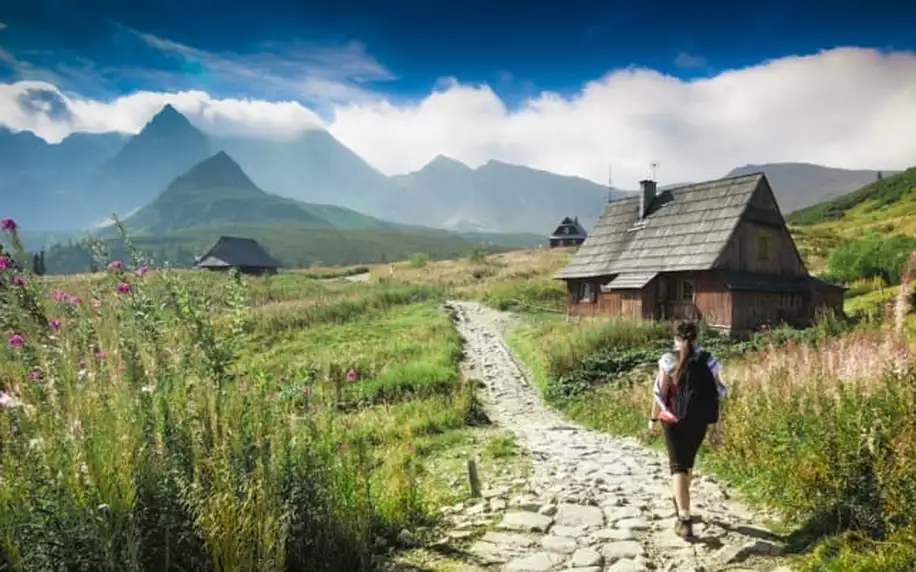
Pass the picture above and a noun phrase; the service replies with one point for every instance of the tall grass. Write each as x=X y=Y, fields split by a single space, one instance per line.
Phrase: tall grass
x=136 y=435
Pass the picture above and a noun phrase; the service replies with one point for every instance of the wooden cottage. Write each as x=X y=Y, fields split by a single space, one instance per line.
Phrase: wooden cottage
x=568 y=233
x=717 y=251
x=246 y=254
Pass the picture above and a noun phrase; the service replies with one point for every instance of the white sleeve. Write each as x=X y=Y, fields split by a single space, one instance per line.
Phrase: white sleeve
x=666 y=364
x=716 y=368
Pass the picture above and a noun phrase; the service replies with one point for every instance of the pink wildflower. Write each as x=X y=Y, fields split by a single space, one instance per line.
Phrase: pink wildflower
x=18 y=281
x=352 y=375
x=142 y=270
x=8 y=224
x=74 y=300
x=124 y=288
x=15 y=341
x=36 y=375
x=100 y=356
x=54 y=324
x=115 y=265
x=4 y=262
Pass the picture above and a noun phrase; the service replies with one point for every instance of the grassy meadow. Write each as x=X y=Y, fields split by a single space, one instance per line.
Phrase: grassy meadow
x=168 y=419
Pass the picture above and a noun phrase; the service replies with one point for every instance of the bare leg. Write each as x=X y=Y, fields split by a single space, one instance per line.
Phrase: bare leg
x=681 y=486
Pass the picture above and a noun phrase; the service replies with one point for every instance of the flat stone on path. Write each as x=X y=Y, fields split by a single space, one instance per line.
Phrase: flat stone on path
x=620 y=550
x=488 y=552
x=524 y=521
x=585 y=557
x=579 y=515
x=509 y=539
x=559 y=544
x=627 y=565
x=537 y=562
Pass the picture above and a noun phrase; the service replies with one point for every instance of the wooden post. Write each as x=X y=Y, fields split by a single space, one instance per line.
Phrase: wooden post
x=473 y=479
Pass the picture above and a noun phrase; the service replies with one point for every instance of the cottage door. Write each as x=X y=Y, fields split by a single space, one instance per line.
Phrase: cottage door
x=661 y=298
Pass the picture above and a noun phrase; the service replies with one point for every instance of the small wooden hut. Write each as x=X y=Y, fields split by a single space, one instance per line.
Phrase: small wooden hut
x=568 y=233
x=246 y=254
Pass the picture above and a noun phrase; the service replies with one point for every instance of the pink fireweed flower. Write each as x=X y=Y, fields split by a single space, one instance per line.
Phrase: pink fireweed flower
x=115 y=265
x=18 y=281
x=124 y=288
x=54 y=324
x=4 y=262
x=15 y=341
x=8 y=224
x=352 y=375
x=142 y=270
x=100 y=356
x=74 y=300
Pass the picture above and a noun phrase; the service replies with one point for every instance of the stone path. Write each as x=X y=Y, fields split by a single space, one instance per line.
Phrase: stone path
x=593 y=502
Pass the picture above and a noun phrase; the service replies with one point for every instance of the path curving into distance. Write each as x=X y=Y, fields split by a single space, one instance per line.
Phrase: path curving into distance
x=593 y=502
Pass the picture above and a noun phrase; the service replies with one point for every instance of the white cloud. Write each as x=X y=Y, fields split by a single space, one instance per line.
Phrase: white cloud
x=2 y=26
x=847 y=107
x=128 y=114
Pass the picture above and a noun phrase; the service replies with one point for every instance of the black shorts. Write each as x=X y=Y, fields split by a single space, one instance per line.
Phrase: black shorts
x=683 y=440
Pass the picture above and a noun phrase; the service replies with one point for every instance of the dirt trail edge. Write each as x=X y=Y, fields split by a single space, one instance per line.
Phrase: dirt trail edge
x=593 y=502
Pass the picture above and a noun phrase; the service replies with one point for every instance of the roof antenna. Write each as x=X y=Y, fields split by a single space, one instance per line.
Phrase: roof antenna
x=654 y=166
x=609 y=188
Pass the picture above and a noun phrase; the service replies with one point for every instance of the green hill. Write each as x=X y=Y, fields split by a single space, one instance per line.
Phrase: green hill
x=216 y=192
x=885 y=200
x=868 y=233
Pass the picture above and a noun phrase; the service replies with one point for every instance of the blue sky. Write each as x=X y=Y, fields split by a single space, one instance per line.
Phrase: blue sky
x=568 y=86
x=402 y=47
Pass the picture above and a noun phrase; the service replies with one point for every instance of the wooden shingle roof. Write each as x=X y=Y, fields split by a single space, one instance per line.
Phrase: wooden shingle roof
x=236 y=252
x=686 y=228
x=576 y=230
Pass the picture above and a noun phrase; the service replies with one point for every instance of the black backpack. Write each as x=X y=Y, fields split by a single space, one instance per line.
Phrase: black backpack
x=697 y=397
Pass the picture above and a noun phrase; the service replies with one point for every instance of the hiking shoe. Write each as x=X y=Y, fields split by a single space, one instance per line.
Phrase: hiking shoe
x=684 y=528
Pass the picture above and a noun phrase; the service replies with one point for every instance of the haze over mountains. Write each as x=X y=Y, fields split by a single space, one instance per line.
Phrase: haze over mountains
x=77 y=183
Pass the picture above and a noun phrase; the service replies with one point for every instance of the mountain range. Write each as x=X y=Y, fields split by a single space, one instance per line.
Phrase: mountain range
x=79 y=182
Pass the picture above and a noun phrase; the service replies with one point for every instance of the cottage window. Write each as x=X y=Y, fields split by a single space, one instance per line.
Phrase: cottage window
x=587 y=293
x=565 y=230
x=686 y=291
x=763 y=247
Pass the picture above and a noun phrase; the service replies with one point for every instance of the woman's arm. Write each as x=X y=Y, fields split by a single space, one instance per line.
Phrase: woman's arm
x=659 y=389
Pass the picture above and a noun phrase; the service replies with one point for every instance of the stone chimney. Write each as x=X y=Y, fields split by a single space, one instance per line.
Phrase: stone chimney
x=646 y=196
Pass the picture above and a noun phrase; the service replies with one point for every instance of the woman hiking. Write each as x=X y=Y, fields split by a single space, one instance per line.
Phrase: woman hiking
x=686 y=396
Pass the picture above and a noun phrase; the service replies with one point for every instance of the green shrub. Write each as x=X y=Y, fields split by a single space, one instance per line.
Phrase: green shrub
x=874 y=256
x=418 y=260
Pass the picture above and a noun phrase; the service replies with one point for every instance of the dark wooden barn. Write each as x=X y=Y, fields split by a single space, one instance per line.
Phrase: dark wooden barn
x=568 y=233
x=246 y=254
x=717 y=251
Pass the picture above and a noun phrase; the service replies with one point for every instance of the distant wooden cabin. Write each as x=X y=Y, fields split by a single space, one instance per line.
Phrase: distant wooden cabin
x=568 y=233
x=246 y=254
x=717 y=251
